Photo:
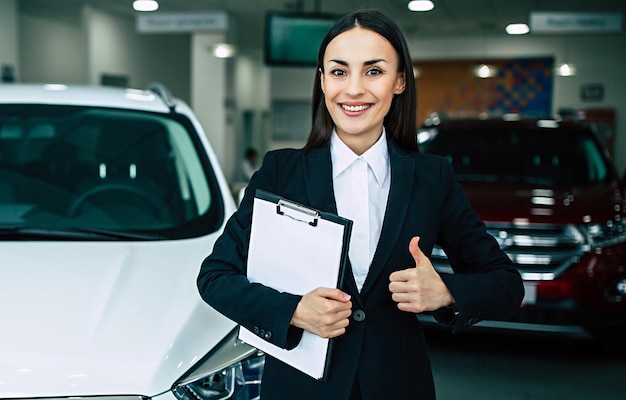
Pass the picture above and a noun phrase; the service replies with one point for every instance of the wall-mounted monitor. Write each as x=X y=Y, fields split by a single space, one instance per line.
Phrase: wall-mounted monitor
x=293 y=39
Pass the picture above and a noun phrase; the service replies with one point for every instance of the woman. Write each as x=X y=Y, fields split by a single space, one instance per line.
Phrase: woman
x=362 y=162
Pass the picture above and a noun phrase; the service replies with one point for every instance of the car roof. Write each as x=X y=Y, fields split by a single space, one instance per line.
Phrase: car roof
x=82 y=95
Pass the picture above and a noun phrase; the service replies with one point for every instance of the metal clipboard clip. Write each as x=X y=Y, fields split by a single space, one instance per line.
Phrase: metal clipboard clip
x=297 y=212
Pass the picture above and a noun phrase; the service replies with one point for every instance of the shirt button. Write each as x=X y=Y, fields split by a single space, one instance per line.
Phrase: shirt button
x=358 y=315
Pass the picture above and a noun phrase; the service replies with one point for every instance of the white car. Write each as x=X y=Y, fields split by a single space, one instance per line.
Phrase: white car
x=109 y=201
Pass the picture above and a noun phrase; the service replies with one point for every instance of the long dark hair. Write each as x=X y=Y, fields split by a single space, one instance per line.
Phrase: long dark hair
x=400 y=121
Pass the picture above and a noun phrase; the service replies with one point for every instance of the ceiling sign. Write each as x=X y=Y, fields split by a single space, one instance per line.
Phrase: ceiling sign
x=181 y=22
x=575 y=22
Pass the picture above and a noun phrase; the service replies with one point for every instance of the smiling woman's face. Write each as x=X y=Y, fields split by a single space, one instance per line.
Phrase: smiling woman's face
x=359 y=81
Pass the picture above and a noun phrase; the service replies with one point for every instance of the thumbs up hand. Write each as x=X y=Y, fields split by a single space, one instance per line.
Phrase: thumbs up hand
x=419 y=288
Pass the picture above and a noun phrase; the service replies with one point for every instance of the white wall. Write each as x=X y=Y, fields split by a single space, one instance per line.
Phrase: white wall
x=251 y=102
x=52 y=50
x=294 y=84
x=115 y=47
x=78 y=48
x=208 y=94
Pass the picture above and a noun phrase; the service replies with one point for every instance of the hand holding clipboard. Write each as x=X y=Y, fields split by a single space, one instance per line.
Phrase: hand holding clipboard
x=296 y=249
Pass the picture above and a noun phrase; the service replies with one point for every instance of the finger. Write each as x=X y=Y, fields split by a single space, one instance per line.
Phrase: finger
x=334 y=325
x=340 y=329
x=416 y=252
x=402 y=275
x=335 y=332
x=333 y=294
x=398 y=287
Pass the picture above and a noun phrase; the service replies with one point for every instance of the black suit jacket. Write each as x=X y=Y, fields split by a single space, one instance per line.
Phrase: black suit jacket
x=386 y=351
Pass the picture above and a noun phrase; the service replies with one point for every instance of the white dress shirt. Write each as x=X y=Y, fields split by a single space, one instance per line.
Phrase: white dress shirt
x=361 y=186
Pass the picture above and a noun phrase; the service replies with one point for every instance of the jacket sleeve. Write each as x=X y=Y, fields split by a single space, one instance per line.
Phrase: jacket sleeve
x=222 y=281
x=485 y=283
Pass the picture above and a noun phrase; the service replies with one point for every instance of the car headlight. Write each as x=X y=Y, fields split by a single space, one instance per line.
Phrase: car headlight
x=606 y=234
x=231 y=372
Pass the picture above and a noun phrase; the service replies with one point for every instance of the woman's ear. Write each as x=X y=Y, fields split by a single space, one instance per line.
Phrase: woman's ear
x=400 y=83
x=321 y=79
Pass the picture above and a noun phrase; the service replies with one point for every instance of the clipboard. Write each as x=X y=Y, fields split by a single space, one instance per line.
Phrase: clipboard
x=295 y=249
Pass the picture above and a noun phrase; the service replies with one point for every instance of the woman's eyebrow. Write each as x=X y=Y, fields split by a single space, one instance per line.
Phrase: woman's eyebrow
x=340 y=62
x=369 y=62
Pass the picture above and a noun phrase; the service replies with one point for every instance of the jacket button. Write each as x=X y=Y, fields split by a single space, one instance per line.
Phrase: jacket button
x=358 y=315
x=255 y=330
x=268 y=335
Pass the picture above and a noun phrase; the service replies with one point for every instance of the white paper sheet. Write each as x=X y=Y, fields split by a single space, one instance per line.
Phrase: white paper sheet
x=290 y=255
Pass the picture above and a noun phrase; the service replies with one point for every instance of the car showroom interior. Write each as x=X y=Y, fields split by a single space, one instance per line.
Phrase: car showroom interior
x=133 y=134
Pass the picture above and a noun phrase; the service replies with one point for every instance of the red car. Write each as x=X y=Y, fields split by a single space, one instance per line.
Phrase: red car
x=549 y=193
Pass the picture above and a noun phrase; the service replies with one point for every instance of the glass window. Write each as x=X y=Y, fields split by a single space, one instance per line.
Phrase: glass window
x=84 y=169
x=517 y=154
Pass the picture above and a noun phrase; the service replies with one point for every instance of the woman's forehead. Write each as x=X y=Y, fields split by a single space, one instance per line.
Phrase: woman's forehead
x=359 y=44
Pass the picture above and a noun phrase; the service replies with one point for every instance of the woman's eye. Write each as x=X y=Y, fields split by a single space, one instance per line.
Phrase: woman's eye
x=337 y=72
x=374 y=71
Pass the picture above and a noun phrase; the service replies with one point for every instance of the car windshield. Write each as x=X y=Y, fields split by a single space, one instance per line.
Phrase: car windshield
x=86 y=173
x=539 y=155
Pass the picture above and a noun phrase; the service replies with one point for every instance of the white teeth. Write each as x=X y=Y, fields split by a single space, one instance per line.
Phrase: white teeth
x=354 y=108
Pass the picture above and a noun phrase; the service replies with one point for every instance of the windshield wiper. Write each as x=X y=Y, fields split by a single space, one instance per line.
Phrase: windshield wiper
x=21 y=232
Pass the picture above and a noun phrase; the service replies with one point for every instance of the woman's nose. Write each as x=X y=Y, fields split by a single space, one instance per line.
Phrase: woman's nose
x=355 y=85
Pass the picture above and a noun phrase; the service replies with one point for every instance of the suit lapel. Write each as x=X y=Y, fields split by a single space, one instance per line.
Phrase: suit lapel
x=318 y=179
x=319 y=188
x=402 y=181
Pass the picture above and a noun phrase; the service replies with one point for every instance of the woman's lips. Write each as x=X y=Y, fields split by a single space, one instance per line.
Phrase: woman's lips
x=355 y=108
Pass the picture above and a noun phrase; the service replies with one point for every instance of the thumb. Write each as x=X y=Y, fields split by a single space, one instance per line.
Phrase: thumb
x=416 y=252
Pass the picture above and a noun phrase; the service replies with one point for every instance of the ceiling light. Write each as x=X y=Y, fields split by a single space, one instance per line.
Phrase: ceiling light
x=420 y=5
x=485 y=71
x=566 y=69
x=224 y=50
x=517 y=29
x=145 y=5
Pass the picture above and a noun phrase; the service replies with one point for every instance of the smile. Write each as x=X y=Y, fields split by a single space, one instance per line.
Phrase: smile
x=355 y=108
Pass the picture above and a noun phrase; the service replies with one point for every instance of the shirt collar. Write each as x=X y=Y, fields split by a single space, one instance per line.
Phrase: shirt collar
x=377 y=157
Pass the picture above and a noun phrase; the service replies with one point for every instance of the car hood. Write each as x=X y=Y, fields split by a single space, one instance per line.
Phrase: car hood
x=504 y=202
x=106 y=318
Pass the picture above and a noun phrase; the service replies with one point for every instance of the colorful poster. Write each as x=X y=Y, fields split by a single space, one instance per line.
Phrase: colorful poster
x=453 y=88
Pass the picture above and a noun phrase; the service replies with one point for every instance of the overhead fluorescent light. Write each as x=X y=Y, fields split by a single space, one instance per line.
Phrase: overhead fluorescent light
x=145 y=5
x=517 y=29
x=420 y=5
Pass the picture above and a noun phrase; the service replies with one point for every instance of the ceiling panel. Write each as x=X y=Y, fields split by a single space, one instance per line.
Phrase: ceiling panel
x=450 y=17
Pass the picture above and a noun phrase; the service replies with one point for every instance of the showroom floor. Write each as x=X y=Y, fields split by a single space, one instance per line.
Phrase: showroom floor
x=485 y=366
